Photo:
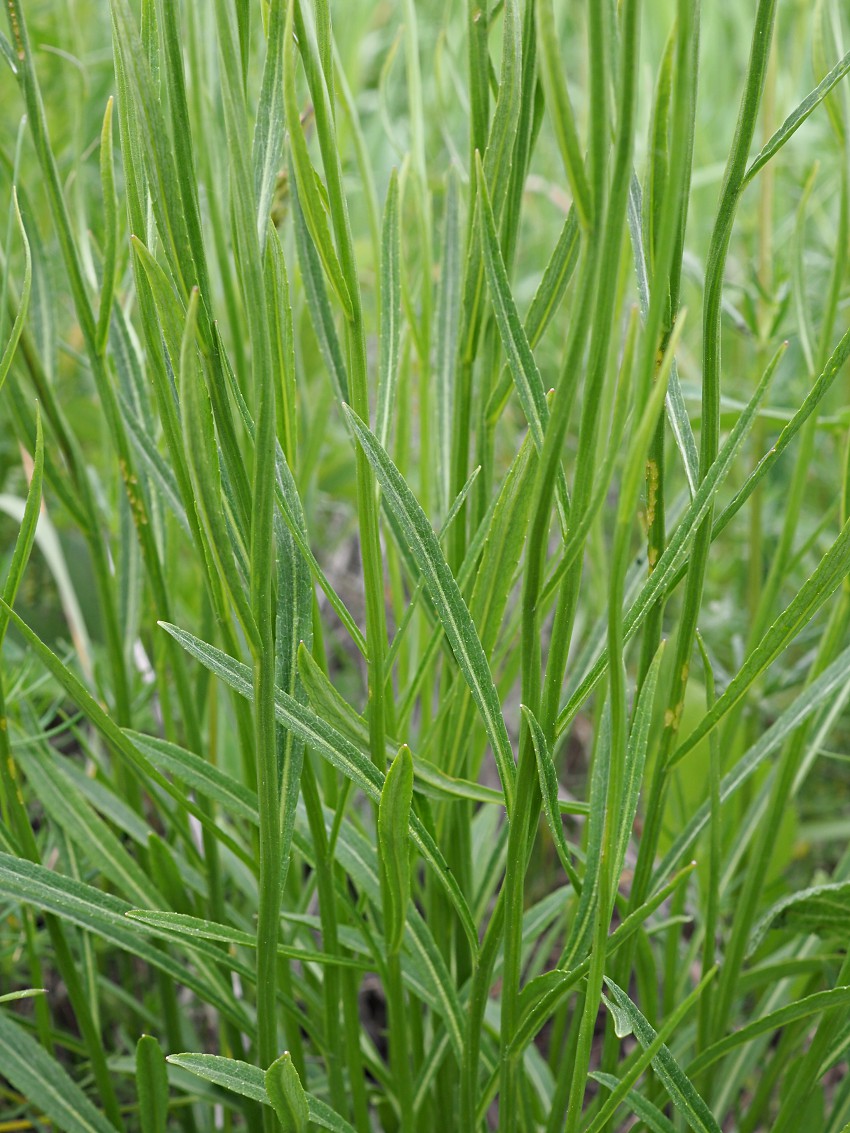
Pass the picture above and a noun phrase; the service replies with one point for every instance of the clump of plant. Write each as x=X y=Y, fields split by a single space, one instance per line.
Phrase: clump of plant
x=425 y=607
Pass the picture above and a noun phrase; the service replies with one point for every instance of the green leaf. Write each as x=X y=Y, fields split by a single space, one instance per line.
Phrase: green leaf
x=328 y=743
x=823 y=910
x=287 y=1095
x=446 y=332
x=210 y=781
x=151 y=138
x=169 y=924
x=556 y=276
x=448 y=600
x=289 y=503
x=498 y=156
x=797 y=117
x=649 y=1114
x=43 y=1082
x=67 y=808
x=151 y=1085
x=802 y=1009
x=523 y=367
x=316 y=295
x=106 y=917
x=520 y=358
x=636 y=757
x=282 y=344
x=430 y=977
x=239 y=1077
x=561 y=112
x=314 y=208
x=651 y=1052
x=27 y=530
x=161 y=476
x=110 y=218
x=201 y=446
x=677 y=413
x=542 y=995
x=549 y=791
x=581 y=929
x=681 y=1090
x=249 y=1081
x=430 y=779
x=658 y=164
x=830 y=683
x=269 y=125
x=667 y=565
x=393 y=822
x=390 y=320
x=825 y=580
x=24 y=302
x=26 y=993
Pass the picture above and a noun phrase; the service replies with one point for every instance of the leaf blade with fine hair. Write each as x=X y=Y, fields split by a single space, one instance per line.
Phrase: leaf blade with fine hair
x=681 y=1090
x=452 y=611
x=42 y=1081
x=151 y=1085
x=328 y=743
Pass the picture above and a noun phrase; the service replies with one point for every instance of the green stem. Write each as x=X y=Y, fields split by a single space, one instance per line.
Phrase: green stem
x=709 y=438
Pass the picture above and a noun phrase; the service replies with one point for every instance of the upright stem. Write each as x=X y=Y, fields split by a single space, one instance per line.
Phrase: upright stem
x=733 y=183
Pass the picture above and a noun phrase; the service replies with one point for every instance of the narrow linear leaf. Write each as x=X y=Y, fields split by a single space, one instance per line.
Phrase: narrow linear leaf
x=328 y=743
x=446 y=331
x=803 y=1008
x=287 y=1095
x=27 y=530
x=520 y=358
x=393 y=822
x=316 y=294
x=636 y=757
x=667 y=565
x=677 y=413
x=70 y=812
x=305 y=175
x=650 y=1114
x=680 y=1088
x=151 y=1085
x=26 y=993
x=448 y=600
x=827 y=577
x=390 y=319
x=541 y=996
x=556 y=276
x=110 y=221
x=45 y=1084
x=622 y=1089
x=249 y=1081
x=210 y=781
x=822 y=909
x=169 y=924
x=105 y=916
x=561 y=112
x=23 y=305
x=429 y=779
x=797 y=117
x=549 y=792
x=830 y=683
x=269 y=125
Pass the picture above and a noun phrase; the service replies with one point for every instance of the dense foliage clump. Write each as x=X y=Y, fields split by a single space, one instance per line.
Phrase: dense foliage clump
x=426 y=533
